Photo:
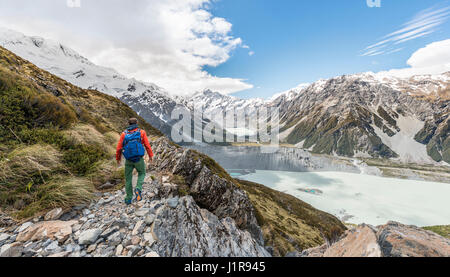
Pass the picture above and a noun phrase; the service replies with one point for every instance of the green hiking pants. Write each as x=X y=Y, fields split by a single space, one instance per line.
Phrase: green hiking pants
x=129 y=167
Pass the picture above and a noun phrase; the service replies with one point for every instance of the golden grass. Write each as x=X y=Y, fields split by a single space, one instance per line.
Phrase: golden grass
x=89 y=135
x=26 y=163
x=62 y=191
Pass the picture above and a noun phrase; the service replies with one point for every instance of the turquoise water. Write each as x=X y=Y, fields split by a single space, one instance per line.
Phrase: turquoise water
x=358 y=198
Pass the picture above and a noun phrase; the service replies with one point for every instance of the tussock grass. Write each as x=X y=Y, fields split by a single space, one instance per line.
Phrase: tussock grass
x=33 y=178
x=30 y=164
x=84 y=134
x=62 y=191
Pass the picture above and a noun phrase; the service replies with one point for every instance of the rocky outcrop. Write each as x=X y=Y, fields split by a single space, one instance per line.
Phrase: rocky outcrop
x=358 y=242
x=188 y=231
x=209 y=185
x=390 y=240
x=397 y=240
x=157 y=226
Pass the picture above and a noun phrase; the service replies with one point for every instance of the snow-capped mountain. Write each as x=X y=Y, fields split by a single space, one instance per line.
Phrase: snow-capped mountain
x=361 y=115
x=367 y=114
x=151 y=101
x=372 y=116
x=213 y=102
x=289 y=94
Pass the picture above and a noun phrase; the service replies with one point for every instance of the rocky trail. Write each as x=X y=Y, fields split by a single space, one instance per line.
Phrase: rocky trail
x=157 y=226
x=166 y=226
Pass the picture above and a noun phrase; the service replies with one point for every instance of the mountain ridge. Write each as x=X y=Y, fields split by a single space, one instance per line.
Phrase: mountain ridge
x=308 y=112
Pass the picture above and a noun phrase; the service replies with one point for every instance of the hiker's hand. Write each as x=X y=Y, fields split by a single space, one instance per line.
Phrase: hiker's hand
x=150 y=160
x=118 y=163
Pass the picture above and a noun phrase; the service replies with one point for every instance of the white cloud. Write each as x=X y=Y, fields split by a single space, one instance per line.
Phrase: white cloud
x=432 y=59
x=167 y=42
x=424 y=23
x=251 y=53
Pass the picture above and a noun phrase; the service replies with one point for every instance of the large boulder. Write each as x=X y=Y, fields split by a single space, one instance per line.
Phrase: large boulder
x=397 y=240
x=189 y=231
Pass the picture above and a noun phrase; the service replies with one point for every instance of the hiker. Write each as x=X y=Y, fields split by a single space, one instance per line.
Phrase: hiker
x=132 y=144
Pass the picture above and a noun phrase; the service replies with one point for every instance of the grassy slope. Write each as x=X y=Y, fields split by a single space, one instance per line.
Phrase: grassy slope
x=56 y=140
x=288 y=223
x=440 y=230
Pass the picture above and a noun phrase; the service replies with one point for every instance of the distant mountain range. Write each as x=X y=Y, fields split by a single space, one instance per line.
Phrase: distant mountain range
x=361 y=115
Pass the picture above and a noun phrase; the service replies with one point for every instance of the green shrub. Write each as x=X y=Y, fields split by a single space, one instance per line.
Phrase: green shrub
x=48 y=109
x=81 y=159
x=25 y=107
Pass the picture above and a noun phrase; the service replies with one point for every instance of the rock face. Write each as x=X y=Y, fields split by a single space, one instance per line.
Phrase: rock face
x=390 y=240
x=188 y=231
x=397 y=240
x=207 y=183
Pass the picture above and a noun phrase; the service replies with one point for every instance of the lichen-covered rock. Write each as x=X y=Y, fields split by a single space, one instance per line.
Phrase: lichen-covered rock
x=397 y=240
x=188 y=231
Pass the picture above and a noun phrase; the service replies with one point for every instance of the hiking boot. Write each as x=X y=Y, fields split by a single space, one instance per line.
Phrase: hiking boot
x=128 y=202
x=138 y=194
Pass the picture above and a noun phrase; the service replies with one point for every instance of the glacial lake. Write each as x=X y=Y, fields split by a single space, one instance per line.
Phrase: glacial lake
x=357 y=198
x=338 y=187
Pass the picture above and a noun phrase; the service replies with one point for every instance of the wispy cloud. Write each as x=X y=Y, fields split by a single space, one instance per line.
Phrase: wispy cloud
x=422 y=24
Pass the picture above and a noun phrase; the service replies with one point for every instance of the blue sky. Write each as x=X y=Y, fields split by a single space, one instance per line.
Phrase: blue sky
x=302 y=41
x=186 y=46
